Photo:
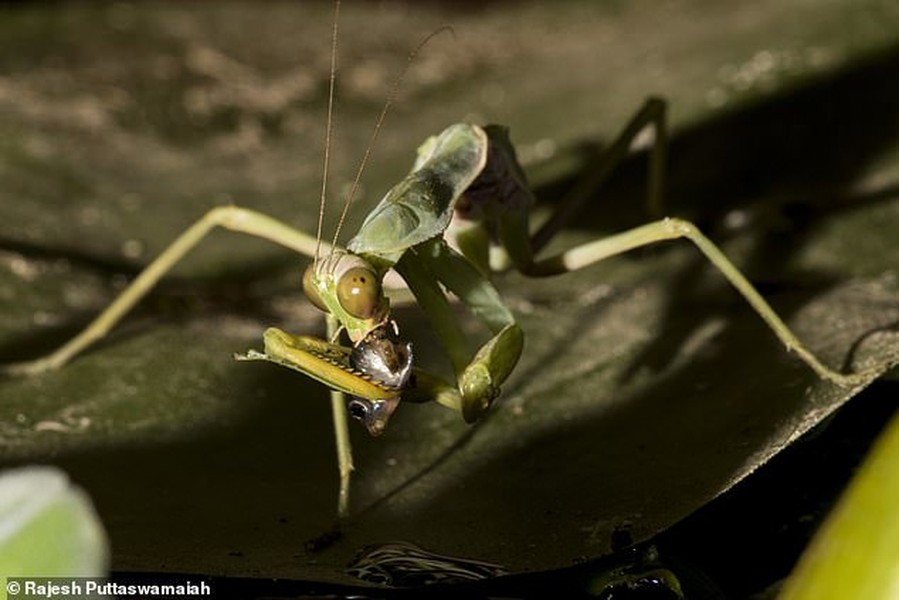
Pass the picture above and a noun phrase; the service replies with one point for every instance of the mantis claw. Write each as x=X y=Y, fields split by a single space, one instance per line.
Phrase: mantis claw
x=374 y=372
x=481 y=380
x=478 y=392
x=321 y=360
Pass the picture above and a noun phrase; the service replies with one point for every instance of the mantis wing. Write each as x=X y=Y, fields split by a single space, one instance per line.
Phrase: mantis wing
x=420 y=207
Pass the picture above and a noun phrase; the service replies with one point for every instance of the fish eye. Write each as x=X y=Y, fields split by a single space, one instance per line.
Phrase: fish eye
x=359 y=292
x=374 y=415
x=358 y=409
x=309 y=288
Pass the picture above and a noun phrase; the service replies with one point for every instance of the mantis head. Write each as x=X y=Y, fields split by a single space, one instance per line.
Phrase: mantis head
x=349 y=287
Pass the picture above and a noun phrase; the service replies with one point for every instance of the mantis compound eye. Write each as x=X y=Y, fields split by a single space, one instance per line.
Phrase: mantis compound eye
x=310 y=290
x=359 y=292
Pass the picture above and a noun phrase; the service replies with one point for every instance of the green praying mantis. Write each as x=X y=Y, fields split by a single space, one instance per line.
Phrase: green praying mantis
x=461 y=214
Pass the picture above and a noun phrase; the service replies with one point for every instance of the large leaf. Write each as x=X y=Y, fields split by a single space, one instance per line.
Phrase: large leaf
x=646 y=388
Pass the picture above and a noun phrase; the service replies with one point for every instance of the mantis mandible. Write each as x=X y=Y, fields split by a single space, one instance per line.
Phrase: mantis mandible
x=460 y=214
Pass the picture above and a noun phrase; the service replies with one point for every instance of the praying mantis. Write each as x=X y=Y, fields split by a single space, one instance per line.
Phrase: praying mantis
x=465 y=192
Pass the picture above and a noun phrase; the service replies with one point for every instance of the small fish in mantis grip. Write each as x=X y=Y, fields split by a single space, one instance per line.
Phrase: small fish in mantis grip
x=387 y=360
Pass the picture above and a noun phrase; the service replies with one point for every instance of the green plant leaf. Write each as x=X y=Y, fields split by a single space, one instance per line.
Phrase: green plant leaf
x=49 y=527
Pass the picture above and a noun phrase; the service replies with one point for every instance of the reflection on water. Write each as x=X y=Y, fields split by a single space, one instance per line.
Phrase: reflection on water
x=406 y=565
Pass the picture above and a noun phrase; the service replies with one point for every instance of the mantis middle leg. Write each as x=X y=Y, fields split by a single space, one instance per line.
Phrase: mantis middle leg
x=232 y=218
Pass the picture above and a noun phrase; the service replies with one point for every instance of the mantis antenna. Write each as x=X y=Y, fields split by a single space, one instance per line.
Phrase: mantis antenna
x=329 y=123
x=391 y=96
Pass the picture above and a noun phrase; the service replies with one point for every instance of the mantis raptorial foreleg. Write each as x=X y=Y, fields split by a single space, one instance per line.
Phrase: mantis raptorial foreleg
x=481 y=374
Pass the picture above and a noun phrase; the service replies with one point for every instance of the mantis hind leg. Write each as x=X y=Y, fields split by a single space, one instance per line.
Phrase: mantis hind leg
x=652 y=114
x=669 y=229
x=503 y=196
x=522 y=248
x=228 y=217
